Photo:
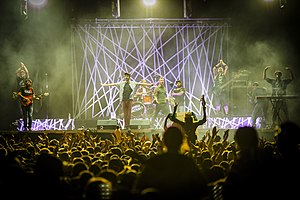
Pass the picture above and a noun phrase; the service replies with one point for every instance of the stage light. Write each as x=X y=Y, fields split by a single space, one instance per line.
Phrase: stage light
x=149 y=2
x=187 y=8
x=24 y=10
x=38 y=3
x=283 y=4
x=116 y=13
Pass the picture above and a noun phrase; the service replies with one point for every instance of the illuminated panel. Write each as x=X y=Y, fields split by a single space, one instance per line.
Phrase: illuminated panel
x=69 y=124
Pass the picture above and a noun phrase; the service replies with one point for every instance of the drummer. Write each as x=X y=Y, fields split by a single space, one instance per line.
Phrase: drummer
x=142 y=92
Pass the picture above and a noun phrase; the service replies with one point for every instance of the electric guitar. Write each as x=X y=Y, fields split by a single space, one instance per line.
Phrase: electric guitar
x=25 y=101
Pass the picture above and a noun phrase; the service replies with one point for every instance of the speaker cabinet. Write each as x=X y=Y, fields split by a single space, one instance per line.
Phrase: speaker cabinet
x=239 y=104
x=139 y=123
x=109 y=124
x=85 y=123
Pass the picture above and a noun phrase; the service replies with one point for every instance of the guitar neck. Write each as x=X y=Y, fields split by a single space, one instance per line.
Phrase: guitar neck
x=20 y=95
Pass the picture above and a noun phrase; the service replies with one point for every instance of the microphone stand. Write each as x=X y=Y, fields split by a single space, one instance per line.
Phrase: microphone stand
x=47 y=90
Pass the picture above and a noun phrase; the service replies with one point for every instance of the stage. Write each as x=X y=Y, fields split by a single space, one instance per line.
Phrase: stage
x=137 y=123
x=56 y=128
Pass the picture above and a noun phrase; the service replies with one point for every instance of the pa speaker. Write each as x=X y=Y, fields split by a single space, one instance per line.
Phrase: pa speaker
x=85 y=123
x=139 y=123
x=239 y=102
x=109 y=124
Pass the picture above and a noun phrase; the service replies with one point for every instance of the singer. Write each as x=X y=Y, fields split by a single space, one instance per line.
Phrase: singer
x=127 y=91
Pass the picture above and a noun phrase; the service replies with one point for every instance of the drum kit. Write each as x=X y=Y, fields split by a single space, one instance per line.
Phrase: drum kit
x=143 y=106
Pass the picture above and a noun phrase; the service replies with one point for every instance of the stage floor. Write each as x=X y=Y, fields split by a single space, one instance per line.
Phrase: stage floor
x=105 y=127
x=97 y=123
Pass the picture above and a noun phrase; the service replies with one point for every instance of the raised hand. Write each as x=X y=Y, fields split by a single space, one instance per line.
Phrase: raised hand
x=214 y=131
x=226 y=134
x=154 y=137
x=203 y=100
x=267 y=67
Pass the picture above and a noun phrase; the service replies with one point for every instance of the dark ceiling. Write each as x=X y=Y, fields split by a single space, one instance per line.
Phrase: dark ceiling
x=265 y=15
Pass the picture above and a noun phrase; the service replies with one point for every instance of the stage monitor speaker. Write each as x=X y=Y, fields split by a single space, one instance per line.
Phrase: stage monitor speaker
x=238 y=102
x=85 y=123
x=139 y=123
x=109 y=124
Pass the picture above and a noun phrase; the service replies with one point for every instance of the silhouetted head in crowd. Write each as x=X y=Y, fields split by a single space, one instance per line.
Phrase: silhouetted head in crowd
x=288 y=138
x=188 y=117
x=173 y=139
x=98 y=188
x=246 y=138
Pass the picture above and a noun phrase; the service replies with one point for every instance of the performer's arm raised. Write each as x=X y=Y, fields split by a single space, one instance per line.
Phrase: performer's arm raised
x=265 y=73
x=145 y=84
x=203 y=120
x=110 y=84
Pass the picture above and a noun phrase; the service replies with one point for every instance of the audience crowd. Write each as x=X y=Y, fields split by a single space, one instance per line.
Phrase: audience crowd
x=83 y=166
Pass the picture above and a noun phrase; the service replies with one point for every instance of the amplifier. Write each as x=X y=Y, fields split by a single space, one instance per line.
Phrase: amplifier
x=109 y=124
x=239 y=101
x=139 y=123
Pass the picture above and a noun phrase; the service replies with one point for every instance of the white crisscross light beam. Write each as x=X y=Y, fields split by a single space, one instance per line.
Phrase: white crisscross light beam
x=183 y=50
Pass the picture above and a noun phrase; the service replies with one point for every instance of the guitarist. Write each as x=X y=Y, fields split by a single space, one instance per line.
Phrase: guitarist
x=26 y=94
x=22 y=74
x=220 y=93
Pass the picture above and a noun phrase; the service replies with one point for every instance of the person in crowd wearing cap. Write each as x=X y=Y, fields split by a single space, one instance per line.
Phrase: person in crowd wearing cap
x=190 y=123
x=260 y=106
x=178 y=94
x=127 y=91
x=26 y=94
x=279 y=86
